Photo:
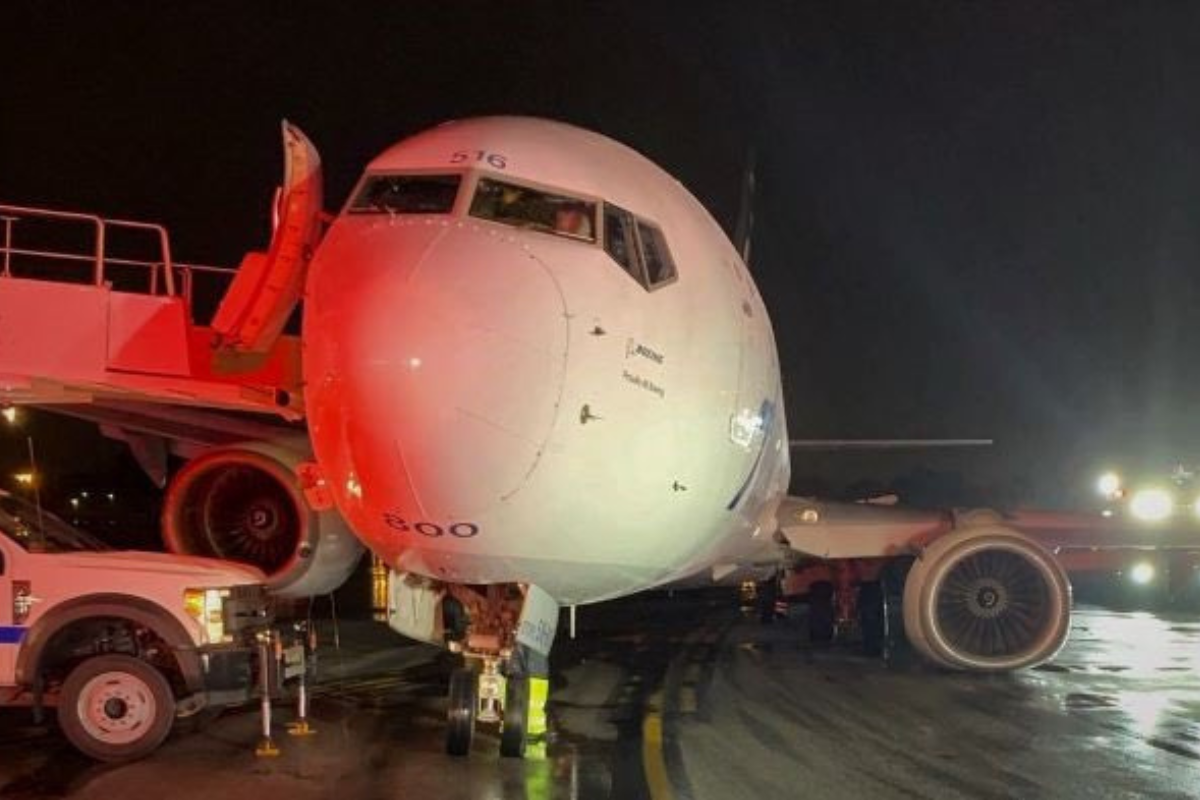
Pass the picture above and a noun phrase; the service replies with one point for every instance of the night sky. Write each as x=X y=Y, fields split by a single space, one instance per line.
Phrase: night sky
x=974 y=219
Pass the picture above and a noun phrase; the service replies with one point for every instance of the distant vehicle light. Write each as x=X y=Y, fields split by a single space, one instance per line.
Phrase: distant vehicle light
x=1109 y=484
x=1152 y=505
x=1108 y=512
x=1142 y=573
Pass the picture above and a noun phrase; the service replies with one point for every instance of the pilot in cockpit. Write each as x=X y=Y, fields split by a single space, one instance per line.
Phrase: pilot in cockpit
x=573 y=218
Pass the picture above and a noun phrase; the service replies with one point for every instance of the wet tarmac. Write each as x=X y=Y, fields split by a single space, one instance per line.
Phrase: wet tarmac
x=688 y=697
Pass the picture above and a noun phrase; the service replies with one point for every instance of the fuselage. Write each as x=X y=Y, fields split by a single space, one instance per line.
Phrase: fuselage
x=532 y=356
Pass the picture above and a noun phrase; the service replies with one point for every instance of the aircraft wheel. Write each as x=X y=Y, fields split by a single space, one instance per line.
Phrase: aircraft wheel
x=460 y=713
x=516 y=717
x=820 y=612
x=768 y=594
x=873 y=618
x=891 y=584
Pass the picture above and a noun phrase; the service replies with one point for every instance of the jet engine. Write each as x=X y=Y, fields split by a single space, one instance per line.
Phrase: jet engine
x=245 y=503
x=987 y=598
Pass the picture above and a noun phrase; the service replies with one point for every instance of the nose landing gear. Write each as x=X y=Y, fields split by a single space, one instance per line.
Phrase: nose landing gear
x=493 y=686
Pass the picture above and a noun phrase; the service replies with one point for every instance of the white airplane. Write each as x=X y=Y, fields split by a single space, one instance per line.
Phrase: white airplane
x=535 y=373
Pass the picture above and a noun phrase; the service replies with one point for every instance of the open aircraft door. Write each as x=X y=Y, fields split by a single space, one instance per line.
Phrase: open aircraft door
x=268 y=285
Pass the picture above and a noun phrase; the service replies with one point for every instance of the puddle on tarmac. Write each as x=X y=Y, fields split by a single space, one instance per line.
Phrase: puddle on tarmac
x=1083 y=701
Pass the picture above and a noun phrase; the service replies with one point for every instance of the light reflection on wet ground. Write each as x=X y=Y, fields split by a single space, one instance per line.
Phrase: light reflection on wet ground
x=1136 y=674
x=747 y=711
x=1116 y=715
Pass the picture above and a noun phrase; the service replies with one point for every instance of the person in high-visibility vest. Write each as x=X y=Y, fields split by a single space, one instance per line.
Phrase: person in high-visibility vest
x=537 y=667
x=539 y=691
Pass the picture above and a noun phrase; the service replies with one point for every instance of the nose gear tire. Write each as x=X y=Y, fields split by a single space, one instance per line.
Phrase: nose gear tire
x=460 y=713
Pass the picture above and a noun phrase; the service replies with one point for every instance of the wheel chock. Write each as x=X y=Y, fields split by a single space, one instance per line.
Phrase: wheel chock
x=300 y=728
x=266 y=748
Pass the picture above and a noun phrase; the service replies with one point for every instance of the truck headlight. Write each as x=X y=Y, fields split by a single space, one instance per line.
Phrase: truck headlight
x=207 y=607
x=1109 y=485
x=1152 y=505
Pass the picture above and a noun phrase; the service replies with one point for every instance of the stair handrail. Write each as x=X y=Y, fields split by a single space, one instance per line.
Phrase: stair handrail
x=13 y=213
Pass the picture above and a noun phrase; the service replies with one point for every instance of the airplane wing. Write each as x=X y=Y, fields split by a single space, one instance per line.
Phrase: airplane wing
x=154 y=430
x=884 y=444
x=828 y=529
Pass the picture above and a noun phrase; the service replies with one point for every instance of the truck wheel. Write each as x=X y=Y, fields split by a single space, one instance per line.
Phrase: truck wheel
x=460 y=712
x=820 y=612
x=516 y=715
x=116 y=708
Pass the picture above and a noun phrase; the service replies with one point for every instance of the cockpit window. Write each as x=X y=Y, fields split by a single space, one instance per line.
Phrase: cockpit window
x=639 y=246
x=407 y=194
x=620 y=241
x=523 y=207
x=659 y=266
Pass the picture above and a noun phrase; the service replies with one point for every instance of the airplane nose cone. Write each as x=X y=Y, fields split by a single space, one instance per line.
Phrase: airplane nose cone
x=434 y=363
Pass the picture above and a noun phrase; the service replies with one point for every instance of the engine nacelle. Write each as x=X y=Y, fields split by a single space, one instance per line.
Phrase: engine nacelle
x=987 y=598
x=244 y=503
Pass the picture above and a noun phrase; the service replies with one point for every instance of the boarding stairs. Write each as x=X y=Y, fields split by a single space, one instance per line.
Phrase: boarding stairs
x=81 y=321
x=95 y=310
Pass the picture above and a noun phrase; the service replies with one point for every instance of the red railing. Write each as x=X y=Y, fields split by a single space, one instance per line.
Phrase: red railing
x=164 y=275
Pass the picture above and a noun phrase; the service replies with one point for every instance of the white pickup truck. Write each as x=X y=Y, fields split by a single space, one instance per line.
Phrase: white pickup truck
x=122 y=643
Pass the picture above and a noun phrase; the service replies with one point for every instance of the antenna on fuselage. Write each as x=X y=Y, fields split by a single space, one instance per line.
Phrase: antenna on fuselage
x=745 y=221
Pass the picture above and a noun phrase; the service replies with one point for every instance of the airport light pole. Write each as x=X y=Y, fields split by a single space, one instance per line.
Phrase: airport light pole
x=11 y=416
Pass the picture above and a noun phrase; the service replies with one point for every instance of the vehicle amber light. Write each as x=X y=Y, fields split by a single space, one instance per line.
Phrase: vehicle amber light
x=206 y=606
x=193 y=604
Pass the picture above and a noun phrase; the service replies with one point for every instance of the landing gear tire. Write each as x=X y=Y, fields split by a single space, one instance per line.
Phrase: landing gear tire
x=460 y=712
x=891 y=583
x=513 y=736
x=873 y=618
x=820 y=612
x=768 y=594
x=116 y=708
